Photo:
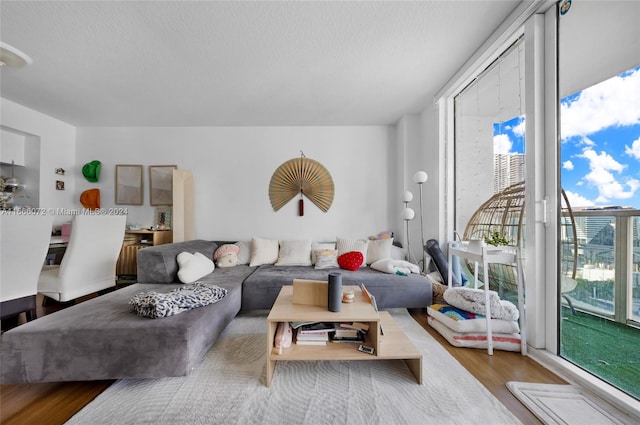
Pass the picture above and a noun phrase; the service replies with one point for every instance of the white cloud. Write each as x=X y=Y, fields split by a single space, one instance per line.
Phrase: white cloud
x=501 y=144
x=585 y=141
x=601 y=161
x=634 y=150
x=601 y=176
x=577 y=200
x=567 y=165
x=633 y=184
x=520 y=128
x=613 y=102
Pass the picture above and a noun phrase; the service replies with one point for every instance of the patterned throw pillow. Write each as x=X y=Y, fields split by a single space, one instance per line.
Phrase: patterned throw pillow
x=351 y=260
x=164 y=304
x=316 y=246
x=326 y=259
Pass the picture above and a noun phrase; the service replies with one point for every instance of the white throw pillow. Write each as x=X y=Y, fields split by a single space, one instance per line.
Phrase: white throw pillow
x=244 y=256
x=294 y=253
x=316 y=246
x=347 y=245
x=263 y=251
x=398 y=253
x=193 y=266
x=388 y=265
x=379 y=249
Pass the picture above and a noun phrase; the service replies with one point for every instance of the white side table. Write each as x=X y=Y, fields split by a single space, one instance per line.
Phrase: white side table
x=488 y=255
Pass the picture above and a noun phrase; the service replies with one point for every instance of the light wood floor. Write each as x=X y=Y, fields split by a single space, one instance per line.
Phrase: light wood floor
x=55 y=403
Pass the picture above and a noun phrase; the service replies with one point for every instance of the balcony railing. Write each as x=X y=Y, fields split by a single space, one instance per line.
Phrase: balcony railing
x=607 y=263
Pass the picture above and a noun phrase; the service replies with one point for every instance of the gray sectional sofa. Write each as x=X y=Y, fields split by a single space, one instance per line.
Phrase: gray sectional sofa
x=104 y=339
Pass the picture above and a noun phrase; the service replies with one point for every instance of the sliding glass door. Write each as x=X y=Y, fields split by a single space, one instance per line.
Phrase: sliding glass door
x=599 y=121
x=489 y=162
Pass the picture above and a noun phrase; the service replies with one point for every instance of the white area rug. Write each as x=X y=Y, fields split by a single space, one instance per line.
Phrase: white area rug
x=566 y=404
x=228 y=388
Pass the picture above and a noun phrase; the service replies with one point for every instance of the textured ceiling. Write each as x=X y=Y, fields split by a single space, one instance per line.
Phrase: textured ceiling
x=205 y=63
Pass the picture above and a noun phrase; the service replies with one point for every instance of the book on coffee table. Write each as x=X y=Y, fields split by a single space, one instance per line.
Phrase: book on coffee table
x=358 y=337
x=317 y=327
x=299 y=342
x=313 y=337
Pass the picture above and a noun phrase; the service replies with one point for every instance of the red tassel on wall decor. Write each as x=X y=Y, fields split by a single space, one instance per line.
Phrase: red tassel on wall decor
x=301 y=207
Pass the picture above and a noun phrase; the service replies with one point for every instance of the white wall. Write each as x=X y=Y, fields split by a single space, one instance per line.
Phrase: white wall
x=232 y=167
x=57 y=141
x=418 y=150
x=431 y=160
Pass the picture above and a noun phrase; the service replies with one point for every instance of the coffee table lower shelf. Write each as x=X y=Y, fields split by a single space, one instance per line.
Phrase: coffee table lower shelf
x=394 y=345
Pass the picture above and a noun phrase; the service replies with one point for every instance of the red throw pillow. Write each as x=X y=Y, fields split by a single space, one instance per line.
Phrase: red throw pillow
x=351 y=260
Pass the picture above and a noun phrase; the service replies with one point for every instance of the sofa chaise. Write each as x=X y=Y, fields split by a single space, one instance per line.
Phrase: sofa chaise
x=103 y=338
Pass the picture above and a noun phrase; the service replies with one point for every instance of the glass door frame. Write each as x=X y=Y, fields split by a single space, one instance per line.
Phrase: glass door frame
x=540 y=287
x=539 y=23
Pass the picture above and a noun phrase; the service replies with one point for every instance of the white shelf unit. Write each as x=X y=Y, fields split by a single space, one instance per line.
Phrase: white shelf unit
x=493 y=255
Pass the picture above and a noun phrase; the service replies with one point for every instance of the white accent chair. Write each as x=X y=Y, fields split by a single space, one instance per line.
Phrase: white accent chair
x=89 y=263
x=24 y=242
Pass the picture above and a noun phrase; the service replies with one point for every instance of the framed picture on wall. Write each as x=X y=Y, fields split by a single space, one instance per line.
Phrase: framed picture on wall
x=161 y=184
x=129 y=184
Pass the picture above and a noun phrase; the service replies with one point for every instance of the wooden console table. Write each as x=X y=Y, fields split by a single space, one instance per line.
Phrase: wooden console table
x=134 y=240
x=493 y=255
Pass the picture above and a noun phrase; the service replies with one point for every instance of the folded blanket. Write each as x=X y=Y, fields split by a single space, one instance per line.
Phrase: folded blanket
x=473 y=300
x=501 y=341
x=164 y=304
x=459 y=320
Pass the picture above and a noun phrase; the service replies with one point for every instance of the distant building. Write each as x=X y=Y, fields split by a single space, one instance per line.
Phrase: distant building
x=508 y=169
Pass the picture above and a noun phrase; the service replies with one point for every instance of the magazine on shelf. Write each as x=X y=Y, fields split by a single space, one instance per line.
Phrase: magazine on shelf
x=311 y=342
x=296 y=325
x=346 y=333
x=324 y=336
x=317 y=327
x=357 y=338
x=355 y=325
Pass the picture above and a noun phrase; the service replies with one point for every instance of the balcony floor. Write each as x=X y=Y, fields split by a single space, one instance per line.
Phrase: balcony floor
x=607 y=349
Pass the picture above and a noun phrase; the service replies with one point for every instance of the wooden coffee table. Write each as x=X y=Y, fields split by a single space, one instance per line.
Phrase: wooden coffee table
x=384 y=334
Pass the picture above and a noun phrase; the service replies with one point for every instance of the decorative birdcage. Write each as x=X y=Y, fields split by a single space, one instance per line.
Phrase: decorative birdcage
x=504 y=213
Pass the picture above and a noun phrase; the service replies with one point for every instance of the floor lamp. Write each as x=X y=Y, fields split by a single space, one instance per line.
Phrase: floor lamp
x=407 y=216
x=420 y=178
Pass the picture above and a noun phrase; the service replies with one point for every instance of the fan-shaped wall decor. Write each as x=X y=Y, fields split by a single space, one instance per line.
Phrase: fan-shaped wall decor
x=301 y=176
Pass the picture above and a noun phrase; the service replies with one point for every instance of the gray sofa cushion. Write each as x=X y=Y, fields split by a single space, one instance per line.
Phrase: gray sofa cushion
x=158 y=264
x=261 y=288
x=103 y=338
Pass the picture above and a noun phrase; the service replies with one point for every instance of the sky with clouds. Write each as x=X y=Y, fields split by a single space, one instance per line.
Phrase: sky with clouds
x=600 y=151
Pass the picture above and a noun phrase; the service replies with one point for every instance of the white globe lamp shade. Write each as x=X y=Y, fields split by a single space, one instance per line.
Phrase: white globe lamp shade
x=407 y=196
x=420 y=177
x=408 y=214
